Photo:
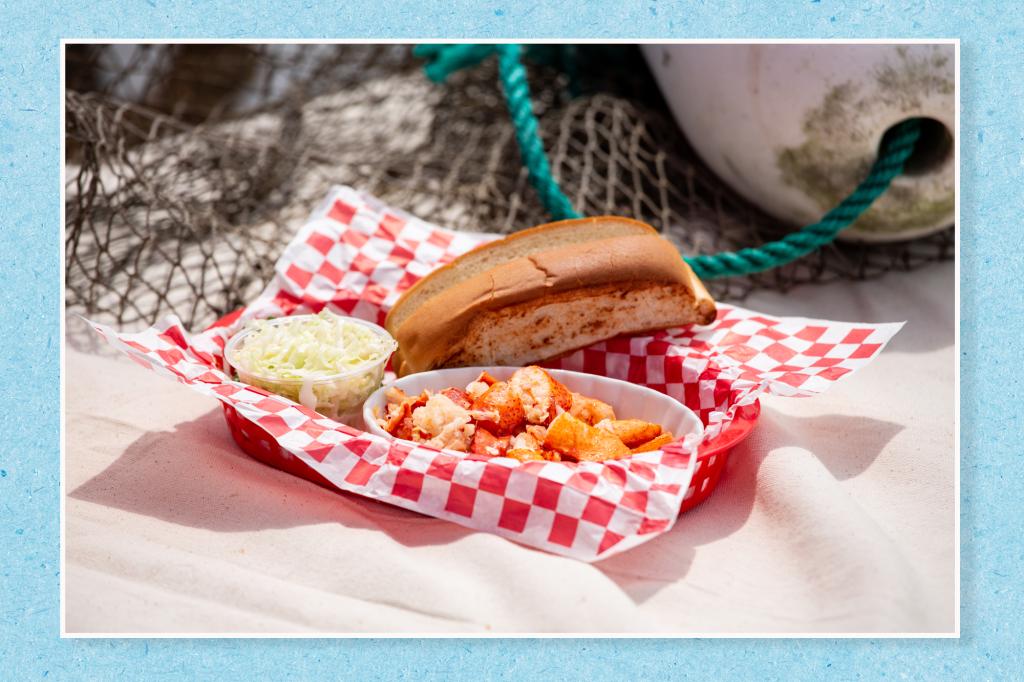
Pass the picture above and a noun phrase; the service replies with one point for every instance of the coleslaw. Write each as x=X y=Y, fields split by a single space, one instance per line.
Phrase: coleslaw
x=325 y=362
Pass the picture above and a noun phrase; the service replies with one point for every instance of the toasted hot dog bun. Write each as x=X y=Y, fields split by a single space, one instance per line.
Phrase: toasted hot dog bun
x=543 y=292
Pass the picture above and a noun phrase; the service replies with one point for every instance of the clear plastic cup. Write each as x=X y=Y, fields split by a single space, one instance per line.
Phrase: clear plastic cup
x=337 y=396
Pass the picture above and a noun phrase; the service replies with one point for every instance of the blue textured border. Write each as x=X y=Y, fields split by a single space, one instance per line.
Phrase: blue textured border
x=992 y=272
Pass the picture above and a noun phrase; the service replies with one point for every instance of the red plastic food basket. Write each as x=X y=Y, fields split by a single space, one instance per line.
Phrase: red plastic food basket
x=711 y=455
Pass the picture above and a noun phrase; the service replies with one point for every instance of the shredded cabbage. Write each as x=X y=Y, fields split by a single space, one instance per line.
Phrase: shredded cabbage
x=301 y=358
x=310 y=348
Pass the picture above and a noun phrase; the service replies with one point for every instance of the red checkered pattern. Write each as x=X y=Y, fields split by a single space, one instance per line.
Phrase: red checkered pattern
x=356 y=256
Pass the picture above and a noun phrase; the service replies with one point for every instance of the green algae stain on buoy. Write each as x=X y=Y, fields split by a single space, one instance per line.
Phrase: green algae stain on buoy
x=826 y=169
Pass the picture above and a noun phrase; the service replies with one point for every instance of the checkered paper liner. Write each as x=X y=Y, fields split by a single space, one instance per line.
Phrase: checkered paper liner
x=356 y=256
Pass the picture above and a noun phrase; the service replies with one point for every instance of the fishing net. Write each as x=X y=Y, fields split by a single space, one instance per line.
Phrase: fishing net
x=190 y=167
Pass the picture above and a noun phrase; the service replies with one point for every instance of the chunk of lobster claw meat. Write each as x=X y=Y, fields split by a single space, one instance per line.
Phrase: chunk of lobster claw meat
x=542 y=396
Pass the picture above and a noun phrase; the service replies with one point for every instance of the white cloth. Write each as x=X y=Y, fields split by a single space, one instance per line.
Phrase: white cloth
x=837 y=515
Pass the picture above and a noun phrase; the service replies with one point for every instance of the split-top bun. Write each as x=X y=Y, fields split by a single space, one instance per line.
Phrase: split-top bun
x=542 y=292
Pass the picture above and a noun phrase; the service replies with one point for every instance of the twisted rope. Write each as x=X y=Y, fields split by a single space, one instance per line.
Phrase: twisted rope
x=897 y=147
x=517 y=95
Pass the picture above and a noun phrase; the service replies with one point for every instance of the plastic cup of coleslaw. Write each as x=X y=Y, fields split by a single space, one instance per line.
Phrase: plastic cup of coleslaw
x=326 y=362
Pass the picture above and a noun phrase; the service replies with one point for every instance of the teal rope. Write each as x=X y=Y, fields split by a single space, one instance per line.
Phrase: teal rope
x=898 y=147
x=517 y=95
x=443 y=60
x=446 y=59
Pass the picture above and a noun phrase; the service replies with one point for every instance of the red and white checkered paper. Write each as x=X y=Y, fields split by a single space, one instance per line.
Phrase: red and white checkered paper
x=356 y=256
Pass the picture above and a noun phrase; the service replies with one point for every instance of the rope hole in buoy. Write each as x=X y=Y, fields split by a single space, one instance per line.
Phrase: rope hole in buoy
x=933 y=149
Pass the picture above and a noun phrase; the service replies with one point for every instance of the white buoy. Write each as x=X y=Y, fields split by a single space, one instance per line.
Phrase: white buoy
x=794 y=128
